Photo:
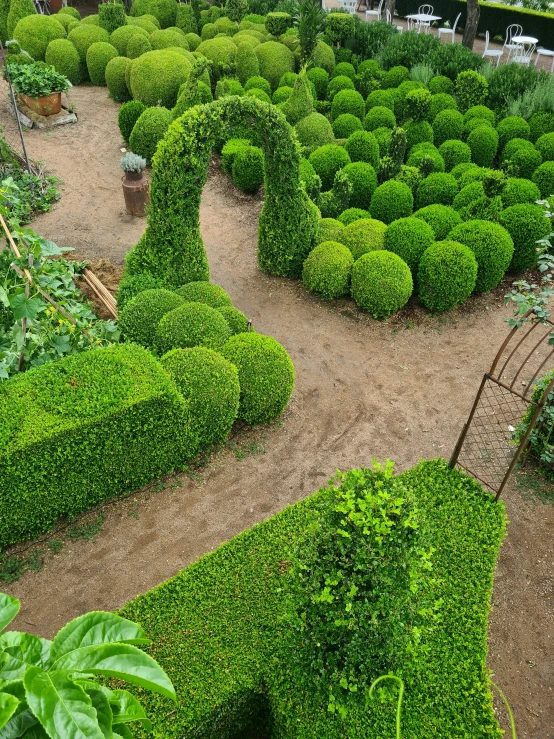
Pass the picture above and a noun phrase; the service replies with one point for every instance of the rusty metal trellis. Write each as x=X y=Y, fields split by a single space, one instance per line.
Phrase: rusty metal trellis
x=486 y=448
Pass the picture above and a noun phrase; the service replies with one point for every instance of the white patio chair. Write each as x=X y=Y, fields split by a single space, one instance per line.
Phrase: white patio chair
x=450 y=31
x=424 y=25
x=523 y=54
x=375 y=14
x=349 y=6
x=390 y=21
x=492 y=53
x=547 y=53
x=514 y=30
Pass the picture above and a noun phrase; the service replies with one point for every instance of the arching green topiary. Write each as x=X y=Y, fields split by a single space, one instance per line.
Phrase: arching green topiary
x=327 y=160
x=448 y=125
x=381 y=283
x=164 y=10
x=35 y=32
x=121 y=37
x=518 y=190
x=172 y=246
x=238 y=322
x=409 y=237
x=18 y=9
x=139 y=318
x=543 y=177
x=364 y=181
x=157 y=76
x=493 y=249
x=438 y=187
x=363 y=236
x=327 y=270
x=441 y=218
x=98 y=56
x=82 y=38
x=191 y=324
x=115 y=78
x=314 y=130
x=204 y=292
x=149 y=130
x=446 y=275
x=526 y=224
x=63 y=56
x=266 y=376
x=483 y=142
x=274 y=59
x=391 y=200
x=379 y=117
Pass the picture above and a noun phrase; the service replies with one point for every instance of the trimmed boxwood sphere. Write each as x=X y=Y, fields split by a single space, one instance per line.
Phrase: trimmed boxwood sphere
x=545 y=144
x=512 y=127
x=98 y=56
x=381 y=283
x=446 y=276
x=137 y=46
x=121 y=36
x=327 y=160
x=281 y=94
x=468 y=194
x=350 y=215
x=418 y=133
x=439 y=103
x=116 y=71
x=540 y=123
x=266 y=376
x=348 y=101
x=526 y=224
x=345 y=125
x=395 y=76
x=390 y=201
x=35 y=32
x=164 y=10
x=229 y=152
x=166 y=38
x=82 y=39
x=479 y=111
x=275 y=60
x=320 y=79
x=363 y=236
x=248 y=169
x=204 y=292
x=448 y=125
x=324 y=57
x=526 y=160
x=460 y=169
x=149 y=130
x=379 y=117
x=314 y=130
x=132 y=285
x=513 y=145
x=383 y=98
x=474 y=123
x=441 y=84
x=454 y=152
x=483 y=142
x=337 y=84
x=364 y=181
x=419 y=155
x=210 y=384
x=493 y=248
x=327 y=270
x=259 y=83
x=253 y=92
x=329 y=229
x=346 y=69
x=438 y=187
x=63 y=56
x=128 y=115
x=238 y=322
x=519 y=190
x=157 y=76
x=409 y=237
x=441 y=218
x=191 y=324
x=140 y=316
x=362 y=146
x=383 y=136
x=543 y=177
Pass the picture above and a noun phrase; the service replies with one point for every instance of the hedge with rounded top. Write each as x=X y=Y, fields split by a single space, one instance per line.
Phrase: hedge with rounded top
x=448 y=125
x=222 y=52
x=274 y=59
x=248 y=169
x=409 y=237
x=383 y=98
x=350 y=215
x=346 y=69
x=191 y=324
x=364 y=181
x=545 y=145
x=483 y=142
x=438 y=187
x=314 y=130
x=479 y=111
x=327 y=160
x=493 y=248
x=363 y=236
x=35 y=32
x=512 y=127
x=204 y=292
x=329 y=229
x=139 y=317
x=362 y=146
x=338 y=84
x=63 y=56
x=441 y=218
x=116 y=71
x=345 y=125
x=98 y=56
x=390 y=201
x=454 y=152
x=82 y=38
x=266 y=376
x=543 y=177
x=320 y=79
x=441 y=84
x=122 y=35
x=157 y=76
x=439 y=103
x=446 y=276
x=526 y=224
x=327 y=270
x=149 y=130
x=238 y=322
x=164 y=10
x=210 y=385
x=348 y=101
x=519 y=190
x=381 y=283
x=379 y=117
x=525 y=160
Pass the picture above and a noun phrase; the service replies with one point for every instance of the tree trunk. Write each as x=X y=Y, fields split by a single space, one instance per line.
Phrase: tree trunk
x=472 y=21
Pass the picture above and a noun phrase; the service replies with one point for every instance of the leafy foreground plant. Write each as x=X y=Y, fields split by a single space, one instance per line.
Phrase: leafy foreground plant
x=48 y=688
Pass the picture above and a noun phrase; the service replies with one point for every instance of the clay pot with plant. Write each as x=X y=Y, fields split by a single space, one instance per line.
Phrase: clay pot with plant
x=39 y=86
x=135 y=185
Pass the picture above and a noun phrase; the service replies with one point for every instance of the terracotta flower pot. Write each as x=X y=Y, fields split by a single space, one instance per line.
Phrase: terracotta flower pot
x=45 y=104
x=55 y=5
x=135 y=192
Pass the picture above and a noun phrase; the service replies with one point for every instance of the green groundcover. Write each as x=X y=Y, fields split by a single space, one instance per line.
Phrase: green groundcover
x=219 y=628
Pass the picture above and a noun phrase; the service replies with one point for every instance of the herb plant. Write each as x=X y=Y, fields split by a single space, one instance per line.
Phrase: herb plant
x=36 y=80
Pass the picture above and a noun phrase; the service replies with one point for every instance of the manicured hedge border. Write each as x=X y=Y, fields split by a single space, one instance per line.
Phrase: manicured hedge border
x=219 y=629
x=83 y=429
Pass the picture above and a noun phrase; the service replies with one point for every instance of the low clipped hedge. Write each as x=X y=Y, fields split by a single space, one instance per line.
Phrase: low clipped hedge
x=83 y=429
x=204 y=292
x=446 y=275
x=189 y=325
x=493 y=248
x=327 y=270
x=381 y=283
x=409 y=238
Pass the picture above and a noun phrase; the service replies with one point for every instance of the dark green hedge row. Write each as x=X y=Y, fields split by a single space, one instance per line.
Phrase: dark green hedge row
x=219 y=629
x=494 y=18
x=83 y=429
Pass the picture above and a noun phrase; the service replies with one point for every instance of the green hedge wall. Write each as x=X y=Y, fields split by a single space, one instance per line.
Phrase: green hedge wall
x=219 y=628
x=83 y=429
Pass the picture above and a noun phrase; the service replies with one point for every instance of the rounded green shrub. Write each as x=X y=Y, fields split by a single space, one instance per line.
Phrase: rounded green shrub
x=420 y=155
x=314 y=130
x=164 y=10
x=35 y=32
x=543 y=177
x=441 y=218
x=327 y=270
x=410 y=176
x=121 y=37
x=362 y=146
x=238 y=322
x=137 y=46
x=128 y=115
x=477 y=174
x=259 y=83
x=324 y=57
x=409 y=237
x=381 y=283
x=446 y=276
x=281 y=94
x=266 y=376
x=116 y=71
x=383 y=98
x=248 y=169
x=149 y=130
x=147 y=22
x=454 y=152
x=329 y=229
x=518 y=190
x=140 y=316
x=350 y=215
x=541 y=122
x=275 y=60
x=468 y=194
x=439 y=103
x=111 y=16
x=253 y=92
x=526 y=224
x=525 y=160
x=512 y=127
x=338 y=84
x=63 y=19
x=209 y=31
x=345 y=69
x=418 y=133
x=438 y=187
x=166 y=38
x=222 y=52
x=364 y=181
x=194 y=40
x=16 y=10
x=390 y=201
x=327 y=160
x=448 y=125
x=363 y=236
x=348 y=101
x=395 y=76
x=185 y=18
x=383 y=136
x=82 y=39
x=98 y=56
x=483 y=142
x=288 y=79
x=460 y=169
x=132 y=285
x=157 y=76
x=379 y=117
x=479 y=111
x=191 y=324
x=474 y=123
x=514 y=145
x=320 y=79
x=277 y=23
x=73 y=12
x=229 y=152
x=471 y=89
x=210 y=385
x=228 y=86
x=63 y=56
x=492 y=246
x=345 y=125
x=204 y=292
x=441 y=85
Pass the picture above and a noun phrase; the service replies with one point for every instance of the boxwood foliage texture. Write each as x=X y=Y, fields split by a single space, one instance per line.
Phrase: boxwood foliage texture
x=221 y=629
x=172 y=246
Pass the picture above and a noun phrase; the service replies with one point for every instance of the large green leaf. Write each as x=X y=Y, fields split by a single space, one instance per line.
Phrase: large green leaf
x=35 y=732
x=127 y=708
x=123 y=661
x=103 y=709
x=23 y=650
x=120 y=731
x=23 y=307
x=62 y=707
x=9 y=608
x=22 y=719
x=96 y=627
x=8 y=705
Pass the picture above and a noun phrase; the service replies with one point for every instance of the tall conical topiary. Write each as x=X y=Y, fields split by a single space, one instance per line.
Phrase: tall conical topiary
x=18 y=10
x=301 y=103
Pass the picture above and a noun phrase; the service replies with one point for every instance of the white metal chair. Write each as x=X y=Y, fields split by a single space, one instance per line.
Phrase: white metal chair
x=547 y=53
x=390 y=21
x=514 y=30
x=523 y=54
x=450 y=31
x=350 y=6
x=424 y=25
x=492 y=53
x=375 y=14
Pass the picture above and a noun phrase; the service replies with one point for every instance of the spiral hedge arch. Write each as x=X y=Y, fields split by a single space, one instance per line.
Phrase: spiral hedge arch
x=171 y=247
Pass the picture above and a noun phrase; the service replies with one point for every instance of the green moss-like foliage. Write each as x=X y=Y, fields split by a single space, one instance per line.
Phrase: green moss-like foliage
x=172 y=246
x=441 y=84
x=364 y=181
x=438 y=187
x=441 y=218
x=247 y=65
x=350 y=215
x=4 y=10
x=526 y=224
x=448 y=125
x=543 y=177
x=98 y=56
x=363 y=236
x=473 y=123
x=204 y=292
x=210 y=385
x=479 y=111
x=157 y=76
x=92 y=20
x=209 y=31
x=300 y=104
x=329 y=229
x=166 y=38
x=493 y=248
x=525 y=161
x=327 y=160
x=248 y=169
x=320 y=79
x=116 y=71
x=345 y=125
x=229 y=152
x=440 y=102
x=35 y=32
x=73 y=12
x=111 y=16
x=149 y=130
x=446 y=276
x=82 y=38
x=348 y=101
x=519 y=190
x=137 y=46
x=541 y=123
x=362 y=146
x=63 y=56
x=258 y=94
x=221 y=52
x=460 y=169
x=274 y=59
x=281 y=94
x=121 y=36
x=379 y=117
x=238 y=322
x=324 y=57
x=191 y=324
x=454 y=152
x=418 y=132
x=288 y=79
x=140 y=315
x=512 y=127
x=314 y=130
x=18 y=9
x=390 y=201
x=185 y=18
x=266 y=376
x=471 y=89
x=514 y=145
x=483 y=142
x=327 y=270
x=409 y=238
x=164 y=10
x=381 y=283
x=129 y=287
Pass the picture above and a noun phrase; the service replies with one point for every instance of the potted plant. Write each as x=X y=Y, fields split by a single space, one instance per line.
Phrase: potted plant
x=39 y=86
x=135 y=186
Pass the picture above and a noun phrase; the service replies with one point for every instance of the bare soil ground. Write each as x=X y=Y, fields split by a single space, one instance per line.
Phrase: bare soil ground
x=400 y=389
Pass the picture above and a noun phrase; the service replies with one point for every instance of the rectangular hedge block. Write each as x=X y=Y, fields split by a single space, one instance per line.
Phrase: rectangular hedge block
x=76 y=432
